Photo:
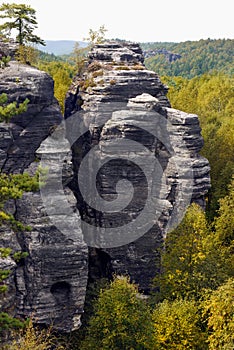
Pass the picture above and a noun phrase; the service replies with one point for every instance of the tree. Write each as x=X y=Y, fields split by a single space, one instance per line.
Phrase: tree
x=62 y=74
x=193 y=260
x=22 y=18
x=121 y=320
x=219 y=309
x=211 y=97
x=78 y=56
x=224 y=222
x=96 y=36
x=177 y=326
x=27 y=55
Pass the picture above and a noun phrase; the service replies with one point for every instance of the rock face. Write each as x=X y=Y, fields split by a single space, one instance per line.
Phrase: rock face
x=117 y=105
x=169 y=56
x=8 y=47
x=115 y=73
x=50 y=284
x=24 y=134
x=110 y=196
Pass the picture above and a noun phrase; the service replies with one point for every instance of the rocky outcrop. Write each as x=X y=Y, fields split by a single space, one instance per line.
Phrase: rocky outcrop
x=127 y=132
x=169 y=56
x=50 y=284
x=115 y=73
x=8 y=47
x=24 y=134
x=118 y=178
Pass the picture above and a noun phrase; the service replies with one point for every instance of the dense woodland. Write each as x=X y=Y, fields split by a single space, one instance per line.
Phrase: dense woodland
x=197 y=57
x=191 y=304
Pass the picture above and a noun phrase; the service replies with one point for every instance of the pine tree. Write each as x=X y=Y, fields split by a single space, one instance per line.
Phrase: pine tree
x=22 y=18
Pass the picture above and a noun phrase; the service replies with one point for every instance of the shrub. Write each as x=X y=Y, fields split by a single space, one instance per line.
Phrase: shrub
x=33 y=338
x=94 y=66
x=122 y=68
x=88 y=82
x=138 y=67
x=98 y=73
x=113 y=82
x=4 y=60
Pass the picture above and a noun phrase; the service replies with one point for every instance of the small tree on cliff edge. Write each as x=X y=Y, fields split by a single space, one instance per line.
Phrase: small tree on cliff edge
x=23 y=19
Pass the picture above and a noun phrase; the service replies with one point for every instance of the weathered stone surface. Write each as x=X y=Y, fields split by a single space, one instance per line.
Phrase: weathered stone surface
x=21 y=138
x=50 y=284
x=51 y=287
x=112 y=77
x=8 y=47
x=118 y=99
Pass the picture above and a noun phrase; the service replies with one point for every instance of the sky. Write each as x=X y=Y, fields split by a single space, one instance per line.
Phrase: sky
x=135 y=20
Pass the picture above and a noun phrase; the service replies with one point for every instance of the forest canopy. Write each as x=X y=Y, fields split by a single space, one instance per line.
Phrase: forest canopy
x=197 y=57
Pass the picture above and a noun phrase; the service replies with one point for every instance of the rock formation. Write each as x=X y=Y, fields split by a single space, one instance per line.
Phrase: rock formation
x=118 y=99
x=115 y=106
x=169 y=56
x=50 y=284
x=8 y=47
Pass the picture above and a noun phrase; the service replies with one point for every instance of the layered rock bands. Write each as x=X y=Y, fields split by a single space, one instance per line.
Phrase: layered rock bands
x=121 y=170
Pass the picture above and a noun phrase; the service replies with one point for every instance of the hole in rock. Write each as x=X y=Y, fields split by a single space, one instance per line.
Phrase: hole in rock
x=61 y=291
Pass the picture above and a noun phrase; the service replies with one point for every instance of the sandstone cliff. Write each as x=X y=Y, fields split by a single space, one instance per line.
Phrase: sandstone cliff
x=116 y=100
x=131 y=168
x=50 y=284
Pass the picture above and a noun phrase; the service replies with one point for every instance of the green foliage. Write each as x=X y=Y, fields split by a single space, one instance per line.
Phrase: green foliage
x=177 y=326
x=78 y=57
x=224 y=222
x=4 y=61
x=88 y=82
x=96 y=36
x=8 y=322
x=121 y=320
x=193 y=260
x=5 y=252
x=32 y=338
x=219 y=310
x=8 y=110
x=49 y=57
x=62 y=74
x=17 y=256
x=12 y=186
x=211 y=98
x=27 y=54
x=198 y=57
x=22 y=18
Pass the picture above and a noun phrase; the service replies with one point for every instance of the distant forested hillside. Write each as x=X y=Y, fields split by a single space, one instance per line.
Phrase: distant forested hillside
x=197 y=57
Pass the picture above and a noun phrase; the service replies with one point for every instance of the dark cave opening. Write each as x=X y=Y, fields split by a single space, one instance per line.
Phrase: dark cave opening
x=61 y=291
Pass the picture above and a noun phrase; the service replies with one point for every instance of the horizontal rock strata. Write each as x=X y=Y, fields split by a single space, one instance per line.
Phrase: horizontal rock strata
x=50 y=284
x=116 y=101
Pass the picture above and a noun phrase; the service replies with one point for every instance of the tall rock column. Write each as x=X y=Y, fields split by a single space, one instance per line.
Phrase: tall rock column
x=49 y=285
x=136 y=161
